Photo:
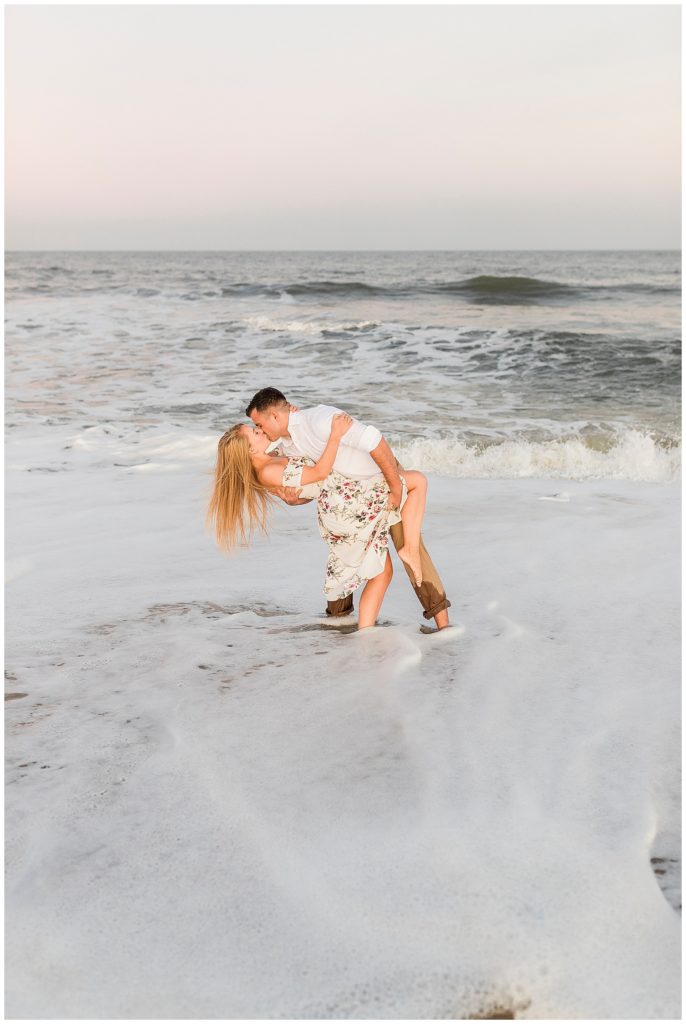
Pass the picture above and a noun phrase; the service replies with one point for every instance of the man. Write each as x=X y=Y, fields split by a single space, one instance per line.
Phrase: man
x=363 y=451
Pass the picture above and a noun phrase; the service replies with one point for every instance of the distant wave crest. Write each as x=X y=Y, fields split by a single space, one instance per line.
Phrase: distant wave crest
x=331 y=288
x=493 y=284
x=485 y=289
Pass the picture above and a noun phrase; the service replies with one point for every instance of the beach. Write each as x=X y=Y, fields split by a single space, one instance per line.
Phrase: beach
x=219 y=806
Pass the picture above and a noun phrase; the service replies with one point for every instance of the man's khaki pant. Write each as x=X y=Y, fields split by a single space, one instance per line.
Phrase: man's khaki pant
x=431 y=594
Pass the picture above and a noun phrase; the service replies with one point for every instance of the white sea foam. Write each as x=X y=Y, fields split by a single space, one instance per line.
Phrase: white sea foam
x=313 y=327
x=634 y=456
x=216 y=808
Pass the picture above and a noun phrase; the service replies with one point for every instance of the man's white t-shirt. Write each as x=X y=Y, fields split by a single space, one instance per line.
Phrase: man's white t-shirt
x=310 y=430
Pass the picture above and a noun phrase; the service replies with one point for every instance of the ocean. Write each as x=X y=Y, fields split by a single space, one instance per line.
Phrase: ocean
x=482 y=364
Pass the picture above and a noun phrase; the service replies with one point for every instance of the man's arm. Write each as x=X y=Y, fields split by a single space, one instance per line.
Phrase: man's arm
x=388 y=464
x=368 y=439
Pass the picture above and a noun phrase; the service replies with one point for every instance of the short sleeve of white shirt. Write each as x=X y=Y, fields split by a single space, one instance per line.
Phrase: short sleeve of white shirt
x=362 y=436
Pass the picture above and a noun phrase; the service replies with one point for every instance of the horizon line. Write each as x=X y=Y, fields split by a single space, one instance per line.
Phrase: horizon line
x=528 y=249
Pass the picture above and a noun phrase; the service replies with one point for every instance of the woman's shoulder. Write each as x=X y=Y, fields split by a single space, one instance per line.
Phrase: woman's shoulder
x=271 y=471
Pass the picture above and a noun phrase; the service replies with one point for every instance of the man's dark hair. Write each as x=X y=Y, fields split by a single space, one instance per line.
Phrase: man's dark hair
x=265 y=399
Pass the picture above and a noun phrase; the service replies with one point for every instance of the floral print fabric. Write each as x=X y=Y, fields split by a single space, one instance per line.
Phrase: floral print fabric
x=353 y=520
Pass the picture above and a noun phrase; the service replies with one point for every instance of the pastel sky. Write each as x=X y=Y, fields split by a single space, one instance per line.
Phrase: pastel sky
x=343 y=127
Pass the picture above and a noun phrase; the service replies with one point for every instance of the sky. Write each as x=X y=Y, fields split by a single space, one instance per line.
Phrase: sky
x=342 y=127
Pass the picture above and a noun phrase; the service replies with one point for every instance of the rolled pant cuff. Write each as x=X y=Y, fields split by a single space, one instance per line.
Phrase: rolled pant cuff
x=342 y=606
x=431 y=613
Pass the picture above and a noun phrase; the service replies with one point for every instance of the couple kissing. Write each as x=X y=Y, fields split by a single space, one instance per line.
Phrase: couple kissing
x=361 y=491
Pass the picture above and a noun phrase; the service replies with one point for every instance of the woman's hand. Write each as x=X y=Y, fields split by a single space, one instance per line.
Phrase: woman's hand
x=340 y=424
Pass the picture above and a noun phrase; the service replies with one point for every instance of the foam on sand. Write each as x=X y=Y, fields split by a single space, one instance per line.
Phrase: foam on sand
x=218 y=806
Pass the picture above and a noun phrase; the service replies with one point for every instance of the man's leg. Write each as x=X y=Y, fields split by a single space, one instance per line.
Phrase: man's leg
x=431 y=593
x=343 y=606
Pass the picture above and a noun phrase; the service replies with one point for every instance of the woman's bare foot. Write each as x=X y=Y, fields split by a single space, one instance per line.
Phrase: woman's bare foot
x=412 y=559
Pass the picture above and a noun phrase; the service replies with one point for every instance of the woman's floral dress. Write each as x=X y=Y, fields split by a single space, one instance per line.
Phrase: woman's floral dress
x=353 y=520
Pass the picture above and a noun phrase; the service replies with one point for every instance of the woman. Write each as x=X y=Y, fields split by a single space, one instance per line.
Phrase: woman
x=352 y=514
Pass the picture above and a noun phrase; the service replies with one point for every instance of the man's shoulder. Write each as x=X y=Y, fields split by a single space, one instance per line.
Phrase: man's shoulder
x=320 y=409
x=317 y=413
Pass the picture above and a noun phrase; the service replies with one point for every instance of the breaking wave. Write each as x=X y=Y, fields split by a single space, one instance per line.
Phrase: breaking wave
x=633 y=456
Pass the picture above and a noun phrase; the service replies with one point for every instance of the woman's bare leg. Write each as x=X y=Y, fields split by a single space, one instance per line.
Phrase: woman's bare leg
x=373 y=595
x=412 y=515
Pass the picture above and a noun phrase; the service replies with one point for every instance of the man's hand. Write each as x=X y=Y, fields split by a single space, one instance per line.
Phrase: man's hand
x=394 y=498
x=291 y=495
x=388 y=464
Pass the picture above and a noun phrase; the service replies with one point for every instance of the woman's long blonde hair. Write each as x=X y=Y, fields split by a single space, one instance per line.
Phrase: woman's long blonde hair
x=240 y=503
